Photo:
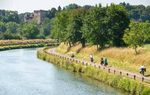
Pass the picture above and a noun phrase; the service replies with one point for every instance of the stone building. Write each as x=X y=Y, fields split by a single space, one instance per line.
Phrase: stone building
x=38 y=16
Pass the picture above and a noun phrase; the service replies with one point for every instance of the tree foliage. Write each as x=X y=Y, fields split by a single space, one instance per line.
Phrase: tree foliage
x=137 y=34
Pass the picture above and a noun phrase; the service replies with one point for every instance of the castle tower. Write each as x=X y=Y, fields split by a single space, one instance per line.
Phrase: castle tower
x=39 y=16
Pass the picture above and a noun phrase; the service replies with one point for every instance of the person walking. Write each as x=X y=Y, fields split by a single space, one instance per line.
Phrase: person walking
x=102 y=61
x=91 y=58
x=105 y=62
x=142 y=69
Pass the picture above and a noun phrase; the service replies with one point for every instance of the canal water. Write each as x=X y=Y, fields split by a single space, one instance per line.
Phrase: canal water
x=21 y=73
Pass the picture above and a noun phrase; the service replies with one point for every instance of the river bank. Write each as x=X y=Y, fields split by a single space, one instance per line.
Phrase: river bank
x=134 y=87
x=16 y=44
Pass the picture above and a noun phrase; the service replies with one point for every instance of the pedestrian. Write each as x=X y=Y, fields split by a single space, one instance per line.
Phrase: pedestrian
x=105 y=62
x=102 y=61
x=142 y=69
x=91 y=58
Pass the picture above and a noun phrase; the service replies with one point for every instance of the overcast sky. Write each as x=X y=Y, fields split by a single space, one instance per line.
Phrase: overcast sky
x=30 y=5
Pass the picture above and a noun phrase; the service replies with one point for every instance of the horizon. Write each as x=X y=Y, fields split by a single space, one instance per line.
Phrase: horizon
x=30 y=6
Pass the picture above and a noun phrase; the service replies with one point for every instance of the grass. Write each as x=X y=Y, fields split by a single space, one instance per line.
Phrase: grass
x=123 y=58
x=134 y=87
x=14 y=44
x=147 y=46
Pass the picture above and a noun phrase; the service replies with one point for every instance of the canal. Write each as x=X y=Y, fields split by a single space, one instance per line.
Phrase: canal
x=22 y=73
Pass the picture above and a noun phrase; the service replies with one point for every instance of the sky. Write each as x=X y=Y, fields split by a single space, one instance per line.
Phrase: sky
x=30 y=5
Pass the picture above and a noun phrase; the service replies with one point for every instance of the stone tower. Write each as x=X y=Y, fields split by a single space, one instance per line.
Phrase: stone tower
x=39 y=16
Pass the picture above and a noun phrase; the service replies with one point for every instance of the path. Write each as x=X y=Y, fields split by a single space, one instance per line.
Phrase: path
x=109 y=69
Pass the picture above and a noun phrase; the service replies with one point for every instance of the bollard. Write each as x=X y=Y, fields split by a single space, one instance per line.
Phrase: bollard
x=114 y=71
x=127 y=74
x=108 y=70
x=134 y=77
x=142 y=79
x=120 y=73
x=99 y=66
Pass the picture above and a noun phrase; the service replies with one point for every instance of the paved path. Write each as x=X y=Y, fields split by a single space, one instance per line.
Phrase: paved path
x=108 y=69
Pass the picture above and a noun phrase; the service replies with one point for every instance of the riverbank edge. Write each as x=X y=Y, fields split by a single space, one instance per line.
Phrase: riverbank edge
x=134 y=87
x=9 y=47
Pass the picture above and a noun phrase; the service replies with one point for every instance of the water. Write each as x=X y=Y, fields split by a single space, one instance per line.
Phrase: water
x=21 y=73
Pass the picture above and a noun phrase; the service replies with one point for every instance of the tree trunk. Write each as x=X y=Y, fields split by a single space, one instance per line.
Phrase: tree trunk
x=83 y=42
x=135 y=48
x=69 y=44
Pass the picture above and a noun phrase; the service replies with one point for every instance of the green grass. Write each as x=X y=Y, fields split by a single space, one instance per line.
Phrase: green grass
x=134 y=87
x=147 y=46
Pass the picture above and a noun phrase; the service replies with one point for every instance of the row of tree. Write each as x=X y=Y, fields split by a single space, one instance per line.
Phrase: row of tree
x=101 y=26
x=13 y=30
x=98 y=25
x=137 y=12
x=78 y=24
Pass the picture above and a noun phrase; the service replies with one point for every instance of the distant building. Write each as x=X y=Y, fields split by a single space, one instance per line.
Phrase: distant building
x=37 y=16
x=28 y=17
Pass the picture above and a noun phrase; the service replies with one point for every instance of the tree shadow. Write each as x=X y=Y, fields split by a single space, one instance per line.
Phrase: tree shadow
x=148 y=75
x=78 y=51
x=68 y=49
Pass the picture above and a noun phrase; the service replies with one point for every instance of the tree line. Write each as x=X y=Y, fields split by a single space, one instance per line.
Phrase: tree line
x=101 y=26
x=84 y=23
x=98 y=25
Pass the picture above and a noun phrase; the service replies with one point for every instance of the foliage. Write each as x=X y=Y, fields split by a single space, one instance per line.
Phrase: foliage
x=118 y=21
x=98 y=25
x=137 y=12
x=137 y=34
x=95 y=28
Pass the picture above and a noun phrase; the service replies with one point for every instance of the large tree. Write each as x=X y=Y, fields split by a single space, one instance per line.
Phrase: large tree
x=95 y=28
x=75 y=24
x=118 y=22
x=59 y=26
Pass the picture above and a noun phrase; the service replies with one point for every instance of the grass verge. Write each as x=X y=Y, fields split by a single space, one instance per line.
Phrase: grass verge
x=134 y=87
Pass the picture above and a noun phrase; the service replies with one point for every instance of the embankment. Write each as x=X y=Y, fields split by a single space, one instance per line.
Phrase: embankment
x=134 y=87
x=15 y=44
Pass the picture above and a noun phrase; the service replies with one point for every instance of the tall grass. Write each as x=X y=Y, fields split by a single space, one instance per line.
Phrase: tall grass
x=14 y=44
x=123 y=58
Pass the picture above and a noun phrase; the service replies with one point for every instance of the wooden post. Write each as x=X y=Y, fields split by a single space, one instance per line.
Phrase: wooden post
x=108 y=70
x=142 y=79
x=114 y=71
x=120 y=73
x=127 y=74
x=134 y=77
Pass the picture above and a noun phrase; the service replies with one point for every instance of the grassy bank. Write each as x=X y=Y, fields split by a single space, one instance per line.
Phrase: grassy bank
x=134 y=87
x=15 y=44
x=123 y=58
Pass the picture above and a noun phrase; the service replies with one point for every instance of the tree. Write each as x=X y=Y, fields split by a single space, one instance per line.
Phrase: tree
x=12 y=27
x=45 y=28
x=59 y=9
x=72 y=6
x=118 y=22
x=2 y=27
x=59 y=26
x=95 y=28
x=74 y=33
x=137 y=34
x=29 y=30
